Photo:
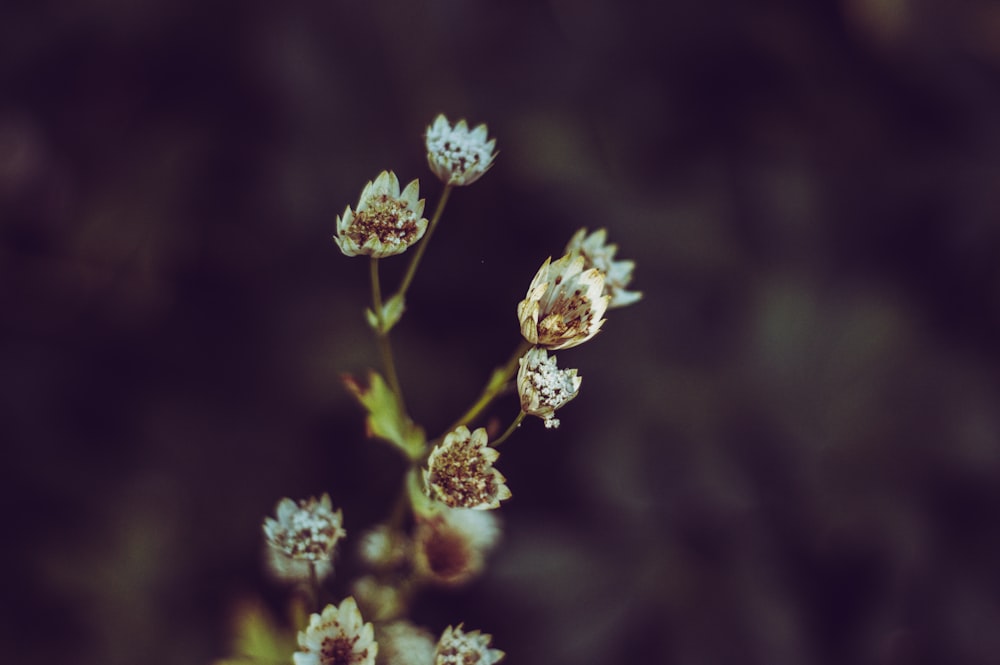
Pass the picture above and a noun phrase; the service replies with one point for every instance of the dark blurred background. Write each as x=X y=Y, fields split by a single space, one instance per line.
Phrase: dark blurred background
x=787 y=453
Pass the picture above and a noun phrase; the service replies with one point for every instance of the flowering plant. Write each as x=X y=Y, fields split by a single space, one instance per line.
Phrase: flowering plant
x=445 y=525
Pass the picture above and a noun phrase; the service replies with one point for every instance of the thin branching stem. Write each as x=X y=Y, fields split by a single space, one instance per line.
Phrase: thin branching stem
x=510 y=430
x=418 y=252
x=496 y=384
x=384 y=345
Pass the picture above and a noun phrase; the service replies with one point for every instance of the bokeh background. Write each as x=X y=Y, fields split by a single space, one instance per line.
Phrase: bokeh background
x=787 y=453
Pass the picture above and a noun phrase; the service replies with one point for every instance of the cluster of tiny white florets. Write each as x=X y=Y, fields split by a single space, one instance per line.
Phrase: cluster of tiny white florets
x=543 y=387
x=386 y=221
x=303 y=538
x=457 y=647
x=458 y=155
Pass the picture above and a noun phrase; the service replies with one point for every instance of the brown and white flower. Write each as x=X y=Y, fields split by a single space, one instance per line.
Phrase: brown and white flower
x=457 y=155
x=597 y=253
x=450 y=545
x=303 y=539
x=564 y=304
x=457 y=647
x=543 y=387
x=338 y=636
x=386 y=222
x=460 y=472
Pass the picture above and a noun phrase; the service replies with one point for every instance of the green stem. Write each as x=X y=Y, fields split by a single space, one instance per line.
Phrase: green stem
x=498 y=381
x=384 y=346
x=510 y=430
x=418 y=253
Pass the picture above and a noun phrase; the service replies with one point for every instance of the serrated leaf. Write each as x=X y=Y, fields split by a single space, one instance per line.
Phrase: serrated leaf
x=386 y=418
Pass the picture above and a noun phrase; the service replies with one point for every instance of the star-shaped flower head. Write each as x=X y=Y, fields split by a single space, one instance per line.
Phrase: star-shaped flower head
x=597 y=253
x=457 y=647
x=338 y=636
x=304 y=538
x=564 y=304
x=460 y=472
x=543 y=387
x=457 y=155
x=386 y=222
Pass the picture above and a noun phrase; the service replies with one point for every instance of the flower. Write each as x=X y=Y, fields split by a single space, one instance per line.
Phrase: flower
x=381 y=602
x=544 y=387
x=456 y=155
x=303 y=540
x=456 y=647
x=564 y=304
x=402 y=643
x=382 y=548
x=598 y=254
x=460 y=472
x=338 y=636
x=385 y=222
x=450 y=545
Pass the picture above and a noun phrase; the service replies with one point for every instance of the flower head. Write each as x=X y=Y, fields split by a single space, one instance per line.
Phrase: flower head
x=460 y=471
x=450 y=545
x=338 y=636
x=457 y=647
x=402 y=643
x=385 y=222
x=457 y=155
x=543 y=387
x=304 y=537
x=597 y=253
x=564 y=304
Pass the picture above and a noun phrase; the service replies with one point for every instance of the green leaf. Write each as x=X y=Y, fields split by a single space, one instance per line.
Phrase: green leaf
x=392 y=311
x=386 y=418
x=257 y=637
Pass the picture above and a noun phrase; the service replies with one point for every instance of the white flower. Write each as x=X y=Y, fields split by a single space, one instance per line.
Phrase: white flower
x=381 y=602
x=597 y=253
x=338 y=636
x=385 y=222
x=457 y=155
x=456 y=647
x=460 y=472
x=303 y=540
x=564 y=304
x=383 y=548
x=543 y=387
x=402 y=643
x=450 y=545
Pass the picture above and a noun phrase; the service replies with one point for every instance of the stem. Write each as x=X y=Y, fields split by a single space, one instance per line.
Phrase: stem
x=313 y=587
x=384 y=346
x=494 y=386
x=510 y=430
x=418 y=253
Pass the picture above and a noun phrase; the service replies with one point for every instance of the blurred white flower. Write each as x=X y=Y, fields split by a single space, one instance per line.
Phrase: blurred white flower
x=564 y=304
x=457 y=647
x=451 y=544
x=338 y=636
x=543 y=387
x=457 y=155
x=402 y=643
x=597 y=253
x=304 y=536
x=460 y=472
x=386 y=222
